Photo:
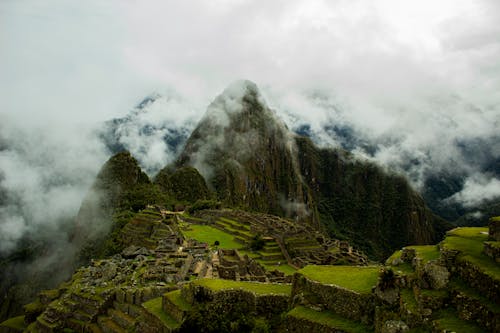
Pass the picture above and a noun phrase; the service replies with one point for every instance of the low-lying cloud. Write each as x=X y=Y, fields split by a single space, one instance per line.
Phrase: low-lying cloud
x=412 y=83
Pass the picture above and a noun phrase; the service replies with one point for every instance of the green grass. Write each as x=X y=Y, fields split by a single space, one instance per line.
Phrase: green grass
x=329 y=319
x=495 y=218
x=250 y=254
x=16 y=323
x=287 y=269
x=357 y=278
x=409 y=299
x=234 y=223
x=176 y=298
x=405 y=268
x=208 y=234
x=154 y=307
x=449 y=321
x=426 y=252
x=469 y=241
x=256 y=287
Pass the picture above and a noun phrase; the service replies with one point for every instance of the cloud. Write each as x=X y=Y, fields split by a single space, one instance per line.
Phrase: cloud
x=407 y=80
x=44 y=179
x=477 y=189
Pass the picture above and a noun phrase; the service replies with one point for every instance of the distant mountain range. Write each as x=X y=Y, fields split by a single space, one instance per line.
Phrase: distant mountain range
x=439 y=186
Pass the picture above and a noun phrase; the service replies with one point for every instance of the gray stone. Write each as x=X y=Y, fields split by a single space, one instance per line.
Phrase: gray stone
x=395 y=326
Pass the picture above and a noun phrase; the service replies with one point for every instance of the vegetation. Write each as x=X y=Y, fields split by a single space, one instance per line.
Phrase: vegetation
x=426 y=252
x=256 y=287
x=208 y=234
x=469 y=241
x=257 y=243
x=449 y=322
x=154 y=306
x=329 y=319
x=203 y=318
x=357 y=278
x=360 y=202
x=204 y=204
x=176 y=298
x=16 y=324
x=185 y=184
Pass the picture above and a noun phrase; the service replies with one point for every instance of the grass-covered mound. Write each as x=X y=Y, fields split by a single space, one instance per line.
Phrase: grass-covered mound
x=470 y=243
x=426 y=252
x=208 y=234
x=357 y=278
x=258 y=288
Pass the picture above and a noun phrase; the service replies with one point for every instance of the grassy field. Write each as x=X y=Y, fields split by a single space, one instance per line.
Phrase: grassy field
x=208 y=234
x=329 y=319
x=426 y=252
x=357 y=278
x=154 y=307
x=469 y=241
x=256 y=287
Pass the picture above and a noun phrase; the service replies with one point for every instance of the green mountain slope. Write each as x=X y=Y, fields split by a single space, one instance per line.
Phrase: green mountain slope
x=254 y=162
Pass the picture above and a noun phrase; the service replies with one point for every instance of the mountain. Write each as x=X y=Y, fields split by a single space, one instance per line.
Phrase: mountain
x=248 y=156
x=253 y=161
x=357 y=200
x=118 y=177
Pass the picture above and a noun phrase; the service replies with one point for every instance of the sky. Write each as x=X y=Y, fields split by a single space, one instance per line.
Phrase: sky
x=411 y=76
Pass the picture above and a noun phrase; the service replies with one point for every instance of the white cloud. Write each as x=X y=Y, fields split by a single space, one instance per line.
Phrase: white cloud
x=413 y=77
x=477 y=189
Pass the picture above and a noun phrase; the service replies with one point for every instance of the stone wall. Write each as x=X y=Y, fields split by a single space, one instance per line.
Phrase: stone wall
x=479 y=280
x=300 y=325
x=492 y=250
x=469 y=308
x=494 y=228
x=344 y=302
x=225 y=301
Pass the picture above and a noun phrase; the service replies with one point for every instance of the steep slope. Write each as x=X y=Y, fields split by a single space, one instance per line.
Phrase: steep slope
x=254 y=162
x=248 y=156
x=185 y=184
x=119 y=175
x=357 y=200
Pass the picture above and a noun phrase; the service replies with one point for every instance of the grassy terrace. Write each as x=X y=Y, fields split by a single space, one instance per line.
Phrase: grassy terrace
x=458 y=284
x=426 y=252
x=469 y=241
x=357 y=278
x=329 y=319
x=208 y=234
x=16 y=323
x=449 y=321
x=256 y=287
x=176 y=298
x=154 y=307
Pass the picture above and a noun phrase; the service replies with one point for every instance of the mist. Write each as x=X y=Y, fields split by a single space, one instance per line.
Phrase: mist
x=411 y=83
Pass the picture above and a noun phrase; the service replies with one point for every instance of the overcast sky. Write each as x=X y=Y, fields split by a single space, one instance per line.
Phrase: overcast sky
x=91 y=60
x=423 y=74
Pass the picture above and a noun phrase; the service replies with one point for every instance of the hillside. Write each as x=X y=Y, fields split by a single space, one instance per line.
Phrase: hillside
x=252 y=161
x=174 y=283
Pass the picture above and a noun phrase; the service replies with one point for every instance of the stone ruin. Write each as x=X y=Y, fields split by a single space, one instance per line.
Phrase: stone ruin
x=233 y=266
